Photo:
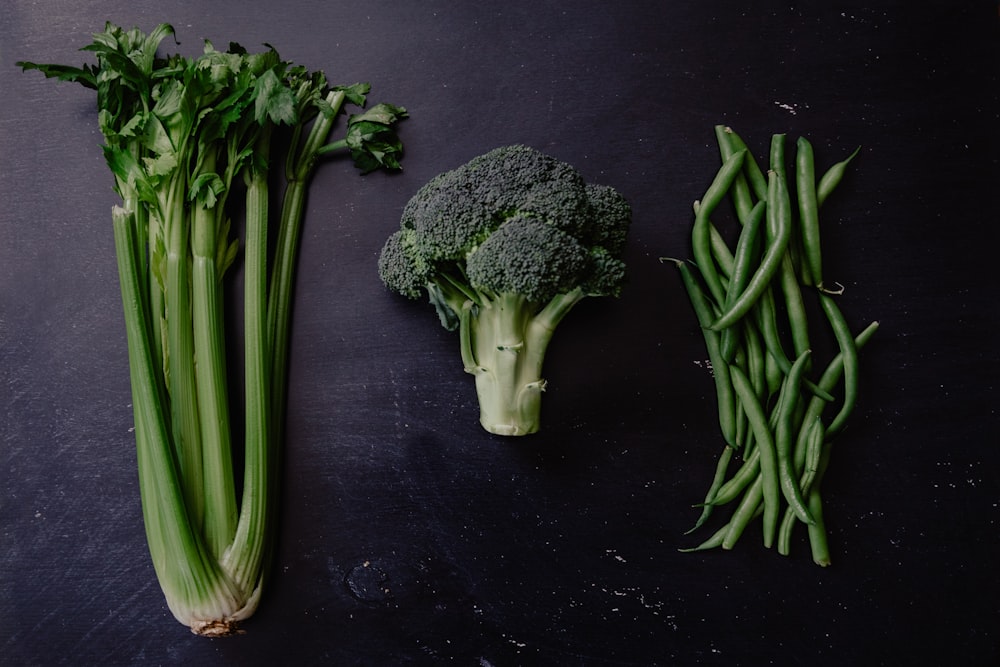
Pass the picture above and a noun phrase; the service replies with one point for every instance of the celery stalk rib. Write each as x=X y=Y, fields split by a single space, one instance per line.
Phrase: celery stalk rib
x=181 y=384
x=279 y=305
x=245 y=561
x=218 y=490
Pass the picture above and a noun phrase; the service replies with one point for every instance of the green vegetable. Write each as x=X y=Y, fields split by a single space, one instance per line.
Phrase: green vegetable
x=701 y=232
x=184 y=139
x=779 y=234
x=505 y=246
x=751 y=303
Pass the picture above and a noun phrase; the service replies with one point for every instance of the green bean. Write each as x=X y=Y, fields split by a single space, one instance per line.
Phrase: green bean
x=832 y=178
x=729 y=340
x=776 y=156
x=711 y=543
x=748 y=508
x=781 y=219
x=784 y=436
x=811 y=466
x=772 y=418
x=849 y=355
x=744 y=437
x=701 y=232
x=721 y=253
x=814 y=452
x=795 y=309
x=718 y=248
x=818 y=543
x=724 y=393
x=745 y=255
x=721 y=468
x=743 y=265
x=742 y=199
x=828 y=380
x=755 y=177
x=735 y=485
x=755 y=361
x=805 y=182
x=767 y=323
x=765 y=443
x=774 y=253
x=784 y=542
x=817 y=532
x=703 y=309
x=773 y=372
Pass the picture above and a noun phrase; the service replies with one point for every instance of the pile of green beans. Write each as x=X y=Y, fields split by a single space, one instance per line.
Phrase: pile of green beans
x=778 y=417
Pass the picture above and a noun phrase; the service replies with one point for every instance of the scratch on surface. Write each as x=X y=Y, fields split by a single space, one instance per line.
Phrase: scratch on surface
x=790 y=108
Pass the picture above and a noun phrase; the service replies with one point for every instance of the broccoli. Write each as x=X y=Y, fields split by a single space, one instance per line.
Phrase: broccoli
x=504 y=246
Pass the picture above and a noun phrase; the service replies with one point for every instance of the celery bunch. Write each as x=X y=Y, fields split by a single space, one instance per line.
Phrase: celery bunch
x=183 y=136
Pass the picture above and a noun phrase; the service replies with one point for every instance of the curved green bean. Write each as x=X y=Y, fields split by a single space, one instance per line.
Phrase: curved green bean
x=748 y=508
x=810 y=468
x=701 y=236
x=814 y=454
x=711 y=543
x=721 y=468
x=744 y=258
x=827 y=381
x=774 y=254
x=735 y=485
x=755 y=176
x=742 y=197
x=720 y=250
x=849 y=356
x=724 y=393
x=768 y=326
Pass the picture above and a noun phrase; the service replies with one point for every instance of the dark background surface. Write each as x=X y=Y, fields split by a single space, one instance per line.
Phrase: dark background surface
x=561 y=548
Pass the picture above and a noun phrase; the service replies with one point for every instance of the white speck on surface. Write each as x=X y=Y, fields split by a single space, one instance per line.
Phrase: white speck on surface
x=790 y=108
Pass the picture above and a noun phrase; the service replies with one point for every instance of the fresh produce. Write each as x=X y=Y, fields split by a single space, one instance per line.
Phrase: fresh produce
x=184 y=138
x=505 y=246
x=762 y=302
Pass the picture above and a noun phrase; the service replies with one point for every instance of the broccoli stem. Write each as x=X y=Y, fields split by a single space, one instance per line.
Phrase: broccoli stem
x=503 y=346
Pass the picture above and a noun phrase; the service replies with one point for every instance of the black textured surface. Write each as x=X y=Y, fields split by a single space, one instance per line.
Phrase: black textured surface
x=410 y=536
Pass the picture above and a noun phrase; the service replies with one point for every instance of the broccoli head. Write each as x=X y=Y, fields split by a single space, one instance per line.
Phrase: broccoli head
x=504 y=246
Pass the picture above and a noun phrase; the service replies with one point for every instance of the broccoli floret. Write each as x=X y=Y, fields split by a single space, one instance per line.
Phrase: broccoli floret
x=504 y=246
